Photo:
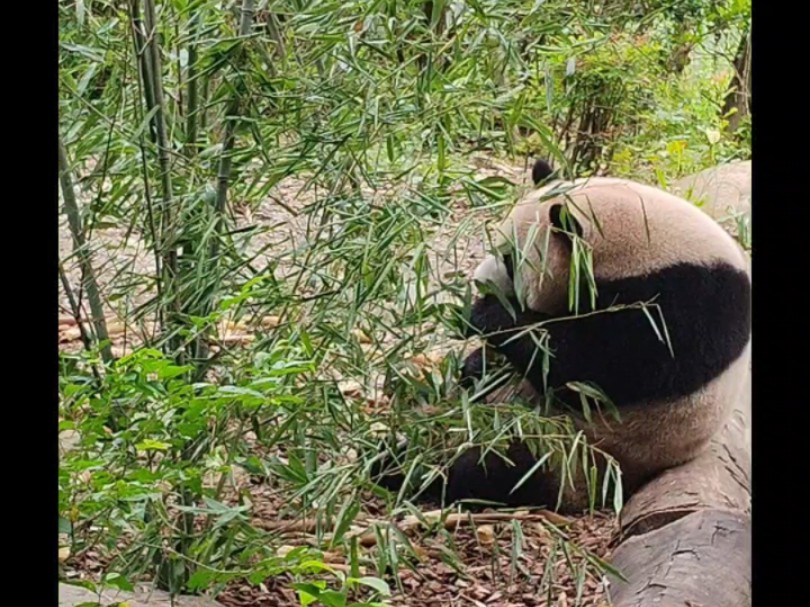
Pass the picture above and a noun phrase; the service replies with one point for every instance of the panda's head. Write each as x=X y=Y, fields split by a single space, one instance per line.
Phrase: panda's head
x=626 y=229
x=531 y=256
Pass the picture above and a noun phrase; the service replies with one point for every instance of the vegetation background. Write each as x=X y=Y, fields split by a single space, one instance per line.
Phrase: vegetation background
x=269 y=207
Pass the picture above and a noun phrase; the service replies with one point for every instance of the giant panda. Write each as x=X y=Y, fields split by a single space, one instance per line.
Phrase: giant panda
x=673 y=385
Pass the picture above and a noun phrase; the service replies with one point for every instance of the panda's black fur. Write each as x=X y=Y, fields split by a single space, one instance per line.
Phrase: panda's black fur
x=541 y=171
x=707 y=312
x=641 y=366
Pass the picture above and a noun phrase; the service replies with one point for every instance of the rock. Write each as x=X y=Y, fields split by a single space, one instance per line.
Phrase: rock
x=724 y=190
x=144 y=596
x=68 y=439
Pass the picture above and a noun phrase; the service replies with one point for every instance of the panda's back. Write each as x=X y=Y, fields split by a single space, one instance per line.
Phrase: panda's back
x=637 y=229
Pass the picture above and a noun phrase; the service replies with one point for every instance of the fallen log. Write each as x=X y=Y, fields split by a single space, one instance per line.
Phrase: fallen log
x=700 y=560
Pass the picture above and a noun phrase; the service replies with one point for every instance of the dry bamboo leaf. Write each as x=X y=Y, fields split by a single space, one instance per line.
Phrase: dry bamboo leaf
x=347 y=456
x=342 y=567
x=435 y=358
x=378 y=430
x=305 y=526
x=421 y=553
x=455 y=519
x=367 y=538
x=237 y=339
x=333 y=556
x=70 y=334
x=350 y=388
x=361 y=336
x=270 y=322
x=485 y=535
x=420 y=359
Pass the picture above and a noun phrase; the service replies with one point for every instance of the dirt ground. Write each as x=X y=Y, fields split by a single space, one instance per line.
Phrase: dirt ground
x=485 y=572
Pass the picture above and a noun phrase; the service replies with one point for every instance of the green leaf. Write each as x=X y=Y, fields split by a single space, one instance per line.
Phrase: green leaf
x=152 y=445
x=333 y=598
x=65 y=525
x=345 y=518
x=308 y=593
x=116 y=580
x=201 y=579
x=381 y=586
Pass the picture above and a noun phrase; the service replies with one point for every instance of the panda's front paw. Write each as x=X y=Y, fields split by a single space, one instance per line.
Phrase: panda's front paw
x=484 y=370
x=386 y=469
x=473 y=368
x=488 y=315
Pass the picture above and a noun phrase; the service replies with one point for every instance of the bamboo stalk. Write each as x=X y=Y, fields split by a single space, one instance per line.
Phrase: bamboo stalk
x=224 y=170
x=156 y=85
x=168 y=210
x=75 y=310
x=144 y=66
x=144 y=79
x=89 y=284
x=193 y=89
x=280 y=49
x=232 y=111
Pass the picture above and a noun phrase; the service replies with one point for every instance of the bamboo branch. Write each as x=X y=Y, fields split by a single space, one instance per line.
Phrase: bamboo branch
x=89 y=284
x=449 y=521
x=75 y=310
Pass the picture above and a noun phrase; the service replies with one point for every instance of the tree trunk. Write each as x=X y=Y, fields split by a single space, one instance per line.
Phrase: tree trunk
x=739 y=97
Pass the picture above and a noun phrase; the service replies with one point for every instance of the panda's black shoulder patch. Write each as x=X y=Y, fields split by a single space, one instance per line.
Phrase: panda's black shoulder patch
x=694 y=323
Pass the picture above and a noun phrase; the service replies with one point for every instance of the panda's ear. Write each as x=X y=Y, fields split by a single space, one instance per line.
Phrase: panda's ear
x=563 y=220
x=541 y=171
